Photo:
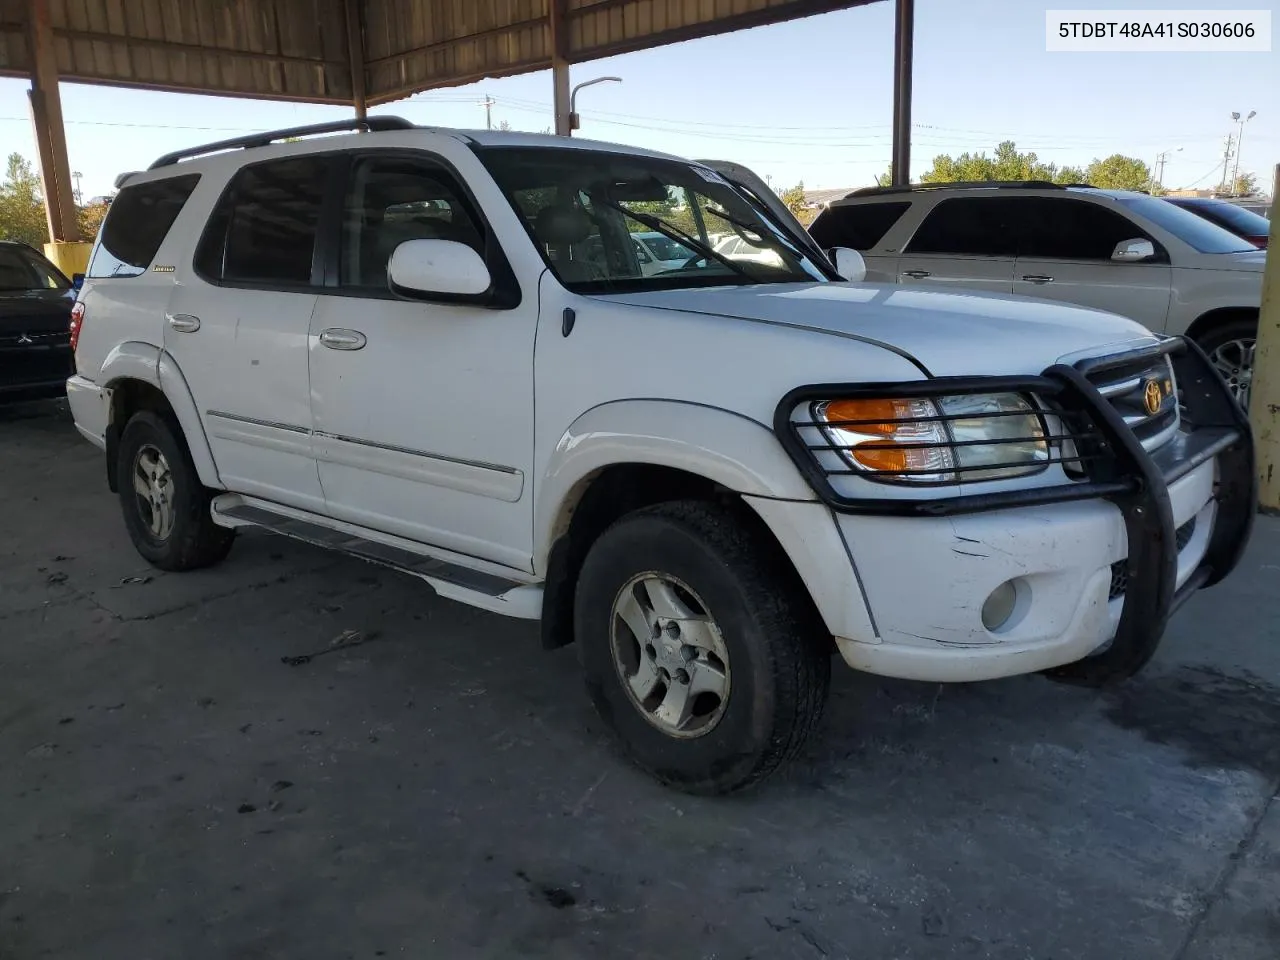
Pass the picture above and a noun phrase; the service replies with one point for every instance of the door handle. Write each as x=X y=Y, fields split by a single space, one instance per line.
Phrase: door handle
x=1037 y=278
x=183 y=322
x=915 y=274
x=339 y=338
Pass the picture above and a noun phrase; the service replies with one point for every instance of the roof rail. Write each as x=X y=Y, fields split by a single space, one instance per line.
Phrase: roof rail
x=274 y=136
x=965 y=185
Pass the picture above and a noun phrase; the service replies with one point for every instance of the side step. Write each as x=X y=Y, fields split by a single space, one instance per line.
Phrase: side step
x=476 y=588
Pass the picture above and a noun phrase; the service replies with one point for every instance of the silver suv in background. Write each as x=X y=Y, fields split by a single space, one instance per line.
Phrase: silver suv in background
x=1126 y=253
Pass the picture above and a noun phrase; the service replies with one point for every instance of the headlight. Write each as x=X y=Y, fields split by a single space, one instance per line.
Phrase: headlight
x=991 y=436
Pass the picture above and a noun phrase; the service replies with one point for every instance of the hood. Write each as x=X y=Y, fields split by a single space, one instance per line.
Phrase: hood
x=35 y=311
x=949 y=334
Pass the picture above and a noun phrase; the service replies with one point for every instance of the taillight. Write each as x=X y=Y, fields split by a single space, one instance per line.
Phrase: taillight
x=77 y=320
x=1259 y=242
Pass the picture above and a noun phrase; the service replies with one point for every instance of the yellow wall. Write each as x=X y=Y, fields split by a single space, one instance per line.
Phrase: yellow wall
x=70 y=258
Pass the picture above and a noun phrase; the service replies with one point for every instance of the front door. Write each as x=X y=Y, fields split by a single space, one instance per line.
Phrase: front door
x=963 y=244
x=422 y=412
x=238 y=323
x=1065 y=255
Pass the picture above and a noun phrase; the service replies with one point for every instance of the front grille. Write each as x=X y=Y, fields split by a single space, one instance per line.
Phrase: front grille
x=1120 y=569
x=1132 y=387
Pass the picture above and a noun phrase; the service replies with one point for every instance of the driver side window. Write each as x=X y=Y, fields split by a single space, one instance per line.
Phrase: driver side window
x=393 y=199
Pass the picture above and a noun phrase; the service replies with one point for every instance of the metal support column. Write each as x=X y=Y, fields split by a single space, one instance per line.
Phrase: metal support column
x=904 y=30
x=560 y=67
x=1264 y=398
x=46 y=118
x=355 y=54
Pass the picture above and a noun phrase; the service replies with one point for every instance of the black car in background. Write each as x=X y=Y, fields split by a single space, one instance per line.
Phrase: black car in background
x=35 y=315
x=1244 y=223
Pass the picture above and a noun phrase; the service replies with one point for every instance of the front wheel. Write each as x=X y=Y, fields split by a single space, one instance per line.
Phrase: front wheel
x=699 y=649
x=1230 y=348
x=165 y=507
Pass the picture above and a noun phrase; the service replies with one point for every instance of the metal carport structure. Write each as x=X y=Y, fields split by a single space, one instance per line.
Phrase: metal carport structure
x=352 y=52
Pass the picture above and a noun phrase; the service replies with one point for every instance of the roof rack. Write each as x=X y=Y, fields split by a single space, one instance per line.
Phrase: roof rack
x=965 y=185
x=370 y=124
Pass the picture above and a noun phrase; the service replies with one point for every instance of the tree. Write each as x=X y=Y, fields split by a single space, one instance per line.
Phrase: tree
x=1246 y=184
x=1118 y=172
x=1007 y=164
x=90 y=217
x=1070 y=175
x=793 y=197
x=21 y=206
x=885 y=179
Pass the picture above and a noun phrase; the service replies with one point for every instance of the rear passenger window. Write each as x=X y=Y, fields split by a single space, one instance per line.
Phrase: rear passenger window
x=137 y=223
x=1063 y=229
x=264 y=228
x=860 y=226
x=970 y=226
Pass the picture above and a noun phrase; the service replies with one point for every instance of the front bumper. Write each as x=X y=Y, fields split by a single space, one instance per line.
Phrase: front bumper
x=925 y=567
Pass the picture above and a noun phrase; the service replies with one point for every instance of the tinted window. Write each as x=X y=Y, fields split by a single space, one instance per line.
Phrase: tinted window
x=394 y=199
x=21 y=270
x=1066 y=229
x=1195 y=231
x=860 y=226
x=137 y=223
x=973 y=226
x=1238 y=220
x=264 y=227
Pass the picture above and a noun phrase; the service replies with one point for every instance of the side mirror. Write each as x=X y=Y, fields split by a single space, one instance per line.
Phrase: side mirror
x=1128 y=251
x=77 y=281
x=849 y=264
x=444 y=268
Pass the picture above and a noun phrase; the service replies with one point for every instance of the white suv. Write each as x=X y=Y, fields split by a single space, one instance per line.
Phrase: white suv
x=1128 y=253
x=393 y=344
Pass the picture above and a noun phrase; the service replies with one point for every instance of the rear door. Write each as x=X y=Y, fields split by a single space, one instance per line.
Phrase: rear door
x=1065 y=254
x=963 y=244
x=238 y=324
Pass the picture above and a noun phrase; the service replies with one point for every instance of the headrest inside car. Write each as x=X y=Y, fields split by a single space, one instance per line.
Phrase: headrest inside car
x=562 y=224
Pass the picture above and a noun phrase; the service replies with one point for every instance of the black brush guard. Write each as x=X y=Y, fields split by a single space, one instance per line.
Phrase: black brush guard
x=1115 y=468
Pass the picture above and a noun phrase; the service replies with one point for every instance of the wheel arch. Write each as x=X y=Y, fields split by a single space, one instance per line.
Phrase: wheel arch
x=623 y=456
x=1217 y=317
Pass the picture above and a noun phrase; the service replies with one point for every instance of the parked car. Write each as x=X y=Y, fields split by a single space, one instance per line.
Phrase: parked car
x=1131 y=254
x=744 y=248
x=35 y=310
x=658 y=253
x=709 y=479
x=1241 y=221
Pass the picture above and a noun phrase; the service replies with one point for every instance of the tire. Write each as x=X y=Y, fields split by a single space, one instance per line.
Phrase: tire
x=774 y=648
x=152 y=445
x=1235 y=365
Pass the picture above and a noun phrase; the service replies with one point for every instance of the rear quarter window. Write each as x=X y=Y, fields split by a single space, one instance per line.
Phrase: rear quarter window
x=137 y=223
x=860 y=226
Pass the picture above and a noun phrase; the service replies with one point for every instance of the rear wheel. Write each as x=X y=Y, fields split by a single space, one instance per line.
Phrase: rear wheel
x=165 y=507
x=1230 y=347
x=699 y=651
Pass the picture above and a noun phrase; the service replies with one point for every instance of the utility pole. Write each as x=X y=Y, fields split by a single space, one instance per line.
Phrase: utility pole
x=488 y=112
x=76 y=177
x=1226 y=164
x=1235 y=177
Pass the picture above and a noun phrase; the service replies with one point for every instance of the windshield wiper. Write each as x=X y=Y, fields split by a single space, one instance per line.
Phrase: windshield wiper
x=768 y=239
x=672 y=232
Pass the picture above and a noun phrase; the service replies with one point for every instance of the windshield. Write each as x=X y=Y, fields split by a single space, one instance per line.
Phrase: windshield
x=1195 y=231
x=664 y=248
x=586 y=209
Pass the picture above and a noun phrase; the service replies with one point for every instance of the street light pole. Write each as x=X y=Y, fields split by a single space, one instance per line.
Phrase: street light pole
x=1235 y=176
x=574 y=119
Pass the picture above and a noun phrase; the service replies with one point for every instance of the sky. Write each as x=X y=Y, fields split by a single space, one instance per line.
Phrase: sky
x=806 y=101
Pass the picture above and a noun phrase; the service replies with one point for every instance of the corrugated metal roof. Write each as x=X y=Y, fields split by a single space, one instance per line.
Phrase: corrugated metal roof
x=298 y=49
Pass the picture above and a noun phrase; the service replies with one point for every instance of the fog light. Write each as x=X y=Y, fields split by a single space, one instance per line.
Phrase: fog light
x=999 y=605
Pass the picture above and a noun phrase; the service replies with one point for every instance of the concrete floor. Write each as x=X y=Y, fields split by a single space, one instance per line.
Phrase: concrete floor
x=172 y=789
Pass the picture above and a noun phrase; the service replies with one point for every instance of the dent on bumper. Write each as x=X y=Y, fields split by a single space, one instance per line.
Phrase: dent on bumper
x=926 y=580
x=90 y=409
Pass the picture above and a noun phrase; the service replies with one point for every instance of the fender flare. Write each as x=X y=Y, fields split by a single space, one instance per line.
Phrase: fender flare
x=175 y=388
x=131 y=360
x=735 y=451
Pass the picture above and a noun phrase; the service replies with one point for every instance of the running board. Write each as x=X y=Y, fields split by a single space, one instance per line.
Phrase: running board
x=451 y=580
